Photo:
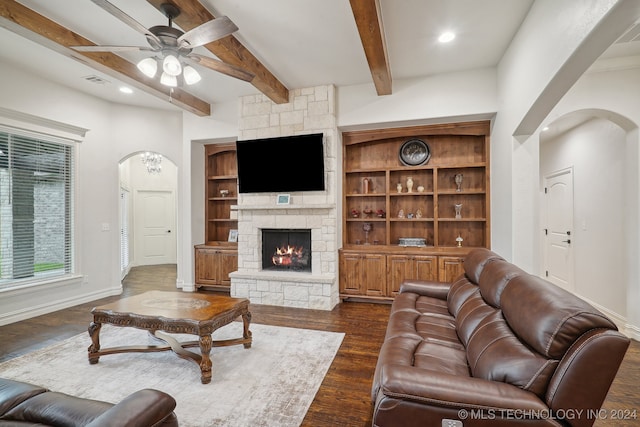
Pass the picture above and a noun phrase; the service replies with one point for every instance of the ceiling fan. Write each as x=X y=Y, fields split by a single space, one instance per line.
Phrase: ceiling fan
x=173 y=47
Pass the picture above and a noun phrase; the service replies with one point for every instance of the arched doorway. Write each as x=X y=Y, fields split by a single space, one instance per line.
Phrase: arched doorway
x=599 y=149
x=147 y=210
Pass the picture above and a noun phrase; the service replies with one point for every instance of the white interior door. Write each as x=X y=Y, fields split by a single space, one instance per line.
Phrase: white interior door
x=559 y=229
x=154 y=229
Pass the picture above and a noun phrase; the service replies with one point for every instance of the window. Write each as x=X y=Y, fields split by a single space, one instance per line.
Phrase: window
x=36 y=208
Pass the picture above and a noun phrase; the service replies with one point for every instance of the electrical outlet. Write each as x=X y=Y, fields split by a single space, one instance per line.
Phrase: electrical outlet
x=105 y=226
x=85 y=280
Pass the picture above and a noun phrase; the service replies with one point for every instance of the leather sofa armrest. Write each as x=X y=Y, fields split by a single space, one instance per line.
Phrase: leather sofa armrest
x=452 y=391
x=438 y=290
x=145 y=407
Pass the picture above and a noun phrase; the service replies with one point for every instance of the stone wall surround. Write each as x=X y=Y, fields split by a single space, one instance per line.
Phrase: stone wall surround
x=310 y=110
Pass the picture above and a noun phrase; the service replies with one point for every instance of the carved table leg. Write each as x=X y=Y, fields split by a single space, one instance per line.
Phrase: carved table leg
x=205 y=362
x=94 y=333
x=246 y=320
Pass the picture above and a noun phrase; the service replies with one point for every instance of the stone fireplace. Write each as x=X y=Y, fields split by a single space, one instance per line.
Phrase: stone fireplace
x=310 y=110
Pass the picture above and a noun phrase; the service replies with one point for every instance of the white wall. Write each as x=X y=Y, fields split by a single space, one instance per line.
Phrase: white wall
x=604 y=93
x=596 y=151
x=114 y=132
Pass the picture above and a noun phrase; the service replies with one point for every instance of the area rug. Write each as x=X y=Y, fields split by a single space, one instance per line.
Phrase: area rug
x=270 y=384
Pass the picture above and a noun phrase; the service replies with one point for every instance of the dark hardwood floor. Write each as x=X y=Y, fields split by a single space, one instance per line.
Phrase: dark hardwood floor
x=344 y=397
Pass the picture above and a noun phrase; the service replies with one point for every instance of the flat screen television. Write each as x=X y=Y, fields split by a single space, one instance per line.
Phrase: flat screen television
x=283 y=164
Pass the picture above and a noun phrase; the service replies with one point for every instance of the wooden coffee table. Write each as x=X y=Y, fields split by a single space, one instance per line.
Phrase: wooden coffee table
x=173 y=312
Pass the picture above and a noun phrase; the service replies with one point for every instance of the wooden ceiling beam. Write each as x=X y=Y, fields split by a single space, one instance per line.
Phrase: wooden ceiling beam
x=35 y=27
x=369 y=22
x=228 y=49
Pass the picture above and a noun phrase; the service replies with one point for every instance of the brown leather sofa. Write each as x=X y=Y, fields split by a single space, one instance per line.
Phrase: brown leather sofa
x=23 y=404
x=497 y=347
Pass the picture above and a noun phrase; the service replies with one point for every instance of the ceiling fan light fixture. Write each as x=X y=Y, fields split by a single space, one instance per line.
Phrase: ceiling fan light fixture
x=446 y=37
x=171 y=65
x=168 y=80
x=191 y=76
x=148 y=66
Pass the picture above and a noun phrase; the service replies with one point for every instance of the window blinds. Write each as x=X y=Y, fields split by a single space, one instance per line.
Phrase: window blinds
x=36 y=208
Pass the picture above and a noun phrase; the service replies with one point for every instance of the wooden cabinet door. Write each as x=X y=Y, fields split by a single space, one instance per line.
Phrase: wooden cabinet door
x=374 y=279
x=351 y=274
x=206 y=266
x=414 y=267
x=450 y=268
x=399 y=268
x=426 y=268
x=227 y=263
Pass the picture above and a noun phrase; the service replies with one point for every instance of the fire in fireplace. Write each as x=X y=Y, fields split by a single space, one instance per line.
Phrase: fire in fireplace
x=286 y=249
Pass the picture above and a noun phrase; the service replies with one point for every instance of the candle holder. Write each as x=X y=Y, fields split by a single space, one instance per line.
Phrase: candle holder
x=366 y=227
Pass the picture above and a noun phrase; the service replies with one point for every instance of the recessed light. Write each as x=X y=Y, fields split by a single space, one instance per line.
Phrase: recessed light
x=446 y=37
x=125 y=89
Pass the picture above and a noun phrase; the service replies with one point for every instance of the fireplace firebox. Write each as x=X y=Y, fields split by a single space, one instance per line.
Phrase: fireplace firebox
x=286 y=250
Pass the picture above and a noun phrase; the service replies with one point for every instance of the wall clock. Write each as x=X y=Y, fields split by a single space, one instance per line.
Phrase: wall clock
x=414 y=152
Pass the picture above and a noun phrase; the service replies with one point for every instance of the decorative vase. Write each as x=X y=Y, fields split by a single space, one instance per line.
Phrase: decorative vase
x=409 y=185
x=458 y=180
x=458 y=208
x=399 y=188
x=420 y=189
x=366 y=185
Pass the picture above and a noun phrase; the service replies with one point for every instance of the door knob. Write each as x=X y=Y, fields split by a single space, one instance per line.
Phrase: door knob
x=567 y=241
x=168 y=231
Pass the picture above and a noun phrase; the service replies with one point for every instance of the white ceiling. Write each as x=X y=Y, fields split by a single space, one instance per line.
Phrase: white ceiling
x=303 y=43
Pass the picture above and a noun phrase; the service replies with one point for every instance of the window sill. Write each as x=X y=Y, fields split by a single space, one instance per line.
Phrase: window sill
x=41 y=283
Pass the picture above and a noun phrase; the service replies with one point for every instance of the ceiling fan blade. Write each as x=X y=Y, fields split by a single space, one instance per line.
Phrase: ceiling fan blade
x=127 y=19
x=221 y=67
x=209 y=31
x=110 y=48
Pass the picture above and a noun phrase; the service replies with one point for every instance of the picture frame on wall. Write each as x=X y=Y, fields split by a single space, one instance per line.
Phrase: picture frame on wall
x=233 y=235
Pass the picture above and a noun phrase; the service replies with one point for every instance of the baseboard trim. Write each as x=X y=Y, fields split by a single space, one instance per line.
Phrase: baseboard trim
x=621 y=322
x=50 y=307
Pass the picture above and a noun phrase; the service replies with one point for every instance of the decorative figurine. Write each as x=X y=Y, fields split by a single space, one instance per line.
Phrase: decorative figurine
x=458 y=208
x=459 y=240
x=381 y=213
x=419 y=213
x=420 y=188
x=409 y=185
x=367 y=212
x=399 y=188
x=366 y=185
x=409 y=215
x=224 y=193
x=401 y=213
x=366 y=227
x=355 y=213
x=458 y=180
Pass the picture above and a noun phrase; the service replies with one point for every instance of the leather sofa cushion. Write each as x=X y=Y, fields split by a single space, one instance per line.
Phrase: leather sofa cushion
x=460 y=291
x=546 y=317
x=12 y=393
x=57 y=409
x=471 y=313
x=496 y=354
x=494 y=279
x=475 y=262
